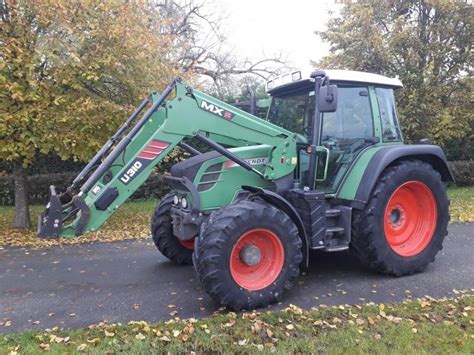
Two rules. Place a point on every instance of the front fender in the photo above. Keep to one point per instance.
(281, 203)
(363, 175)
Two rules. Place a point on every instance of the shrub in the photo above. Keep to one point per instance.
(463, 171)
(154, 187)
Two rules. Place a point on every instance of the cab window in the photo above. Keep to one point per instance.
(353, 118)
(390, 127)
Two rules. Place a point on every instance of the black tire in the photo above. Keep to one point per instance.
(162, 234)
(369, 240)
(213, 249)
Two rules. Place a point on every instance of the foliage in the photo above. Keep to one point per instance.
(428, 44)
(131, 221)
(463, 172)
(425, 325)
(69, 71)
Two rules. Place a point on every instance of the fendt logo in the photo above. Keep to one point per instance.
(251, 161)
(128, 175)
(216, 110)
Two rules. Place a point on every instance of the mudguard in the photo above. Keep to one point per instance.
(281, 203)
(386, 156)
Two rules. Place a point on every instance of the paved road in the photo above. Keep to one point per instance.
(76, 286)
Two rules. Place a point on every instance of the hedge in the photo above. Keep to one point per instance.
(154, 187)
(463, 171)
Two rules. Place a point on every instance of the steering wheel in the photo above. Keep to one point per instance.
(301, 138)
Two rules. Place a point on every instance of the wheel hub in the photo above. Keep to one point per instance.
(250, 255)
(397, 216)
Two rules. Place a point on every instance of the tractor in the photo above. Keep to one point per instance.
(327, 169)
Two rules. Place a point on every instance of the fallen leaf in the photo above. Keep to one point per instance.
(81, 347)
(44, 346)
(140, 336)
(165, 339)
(242, 342)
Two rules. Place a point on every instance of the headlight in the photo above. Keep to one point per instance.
(184, 202)
(175, 199)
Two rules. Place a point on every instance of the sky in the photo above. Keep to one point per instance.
(262, 28)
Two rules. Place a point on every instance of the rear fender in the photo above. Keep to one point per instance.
(389, 155)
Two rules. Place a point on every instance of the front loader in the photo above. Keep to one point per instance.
(327, 169)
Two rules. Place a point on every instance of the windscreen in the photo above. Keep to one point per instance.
(293, 111)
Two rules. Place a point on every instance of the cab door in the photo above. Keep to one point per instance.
(344, 134)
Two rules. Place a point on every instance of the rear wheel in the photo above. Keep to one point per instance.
(403, 225)
(247, 255)
(176, 250)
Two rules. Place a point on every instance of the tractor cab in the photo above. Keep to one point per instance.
(365, 116)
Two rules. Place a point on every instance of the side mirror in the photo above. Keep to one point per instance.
(327, 98)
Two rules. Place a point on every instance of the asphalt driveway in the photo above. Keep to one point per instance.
(79, 285)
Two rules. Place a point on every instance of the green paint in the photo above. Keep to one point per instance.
(375, 113)
(192, 112)
(348, 188)
(183, 117)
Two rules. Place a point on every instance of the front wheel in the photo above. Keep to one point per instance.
(176, 250)
(403, 225)
(248, 255)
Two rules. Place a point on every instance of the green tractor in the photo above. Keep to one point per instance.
(327, 169)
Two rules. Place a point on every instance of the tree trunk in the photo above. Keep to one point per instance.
(22, 212)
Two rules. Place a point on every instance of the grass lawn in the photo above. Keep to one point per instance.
(133, 221)
(413, 327)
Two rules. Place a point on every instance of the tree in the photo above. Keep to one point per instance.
(71, 70)
(68, 71)
(427, 44)
(203, 48)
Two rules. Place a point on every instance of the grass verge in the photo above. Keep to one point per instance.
(132, 221)
(421, 326)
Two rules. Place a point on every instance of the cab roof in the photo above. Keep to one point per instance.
(296, 79)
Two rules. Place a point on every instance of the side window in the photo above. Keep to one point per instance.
(390, 127)
(353, 118)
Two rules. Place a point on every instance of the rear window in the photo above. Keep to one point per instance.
(388, 115)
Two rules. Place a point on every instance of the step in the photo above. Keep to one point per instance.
(333, 212)
(336, 248)
(332, 230)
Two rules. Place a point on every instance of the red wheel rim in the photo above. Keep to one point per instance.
(188, 244)
(269, 266)
(410, 218)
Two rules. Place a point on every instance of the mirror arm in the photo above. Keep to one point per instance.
(317, 75)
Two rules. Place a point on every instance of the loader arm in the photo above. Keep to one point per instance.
(121, 167)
